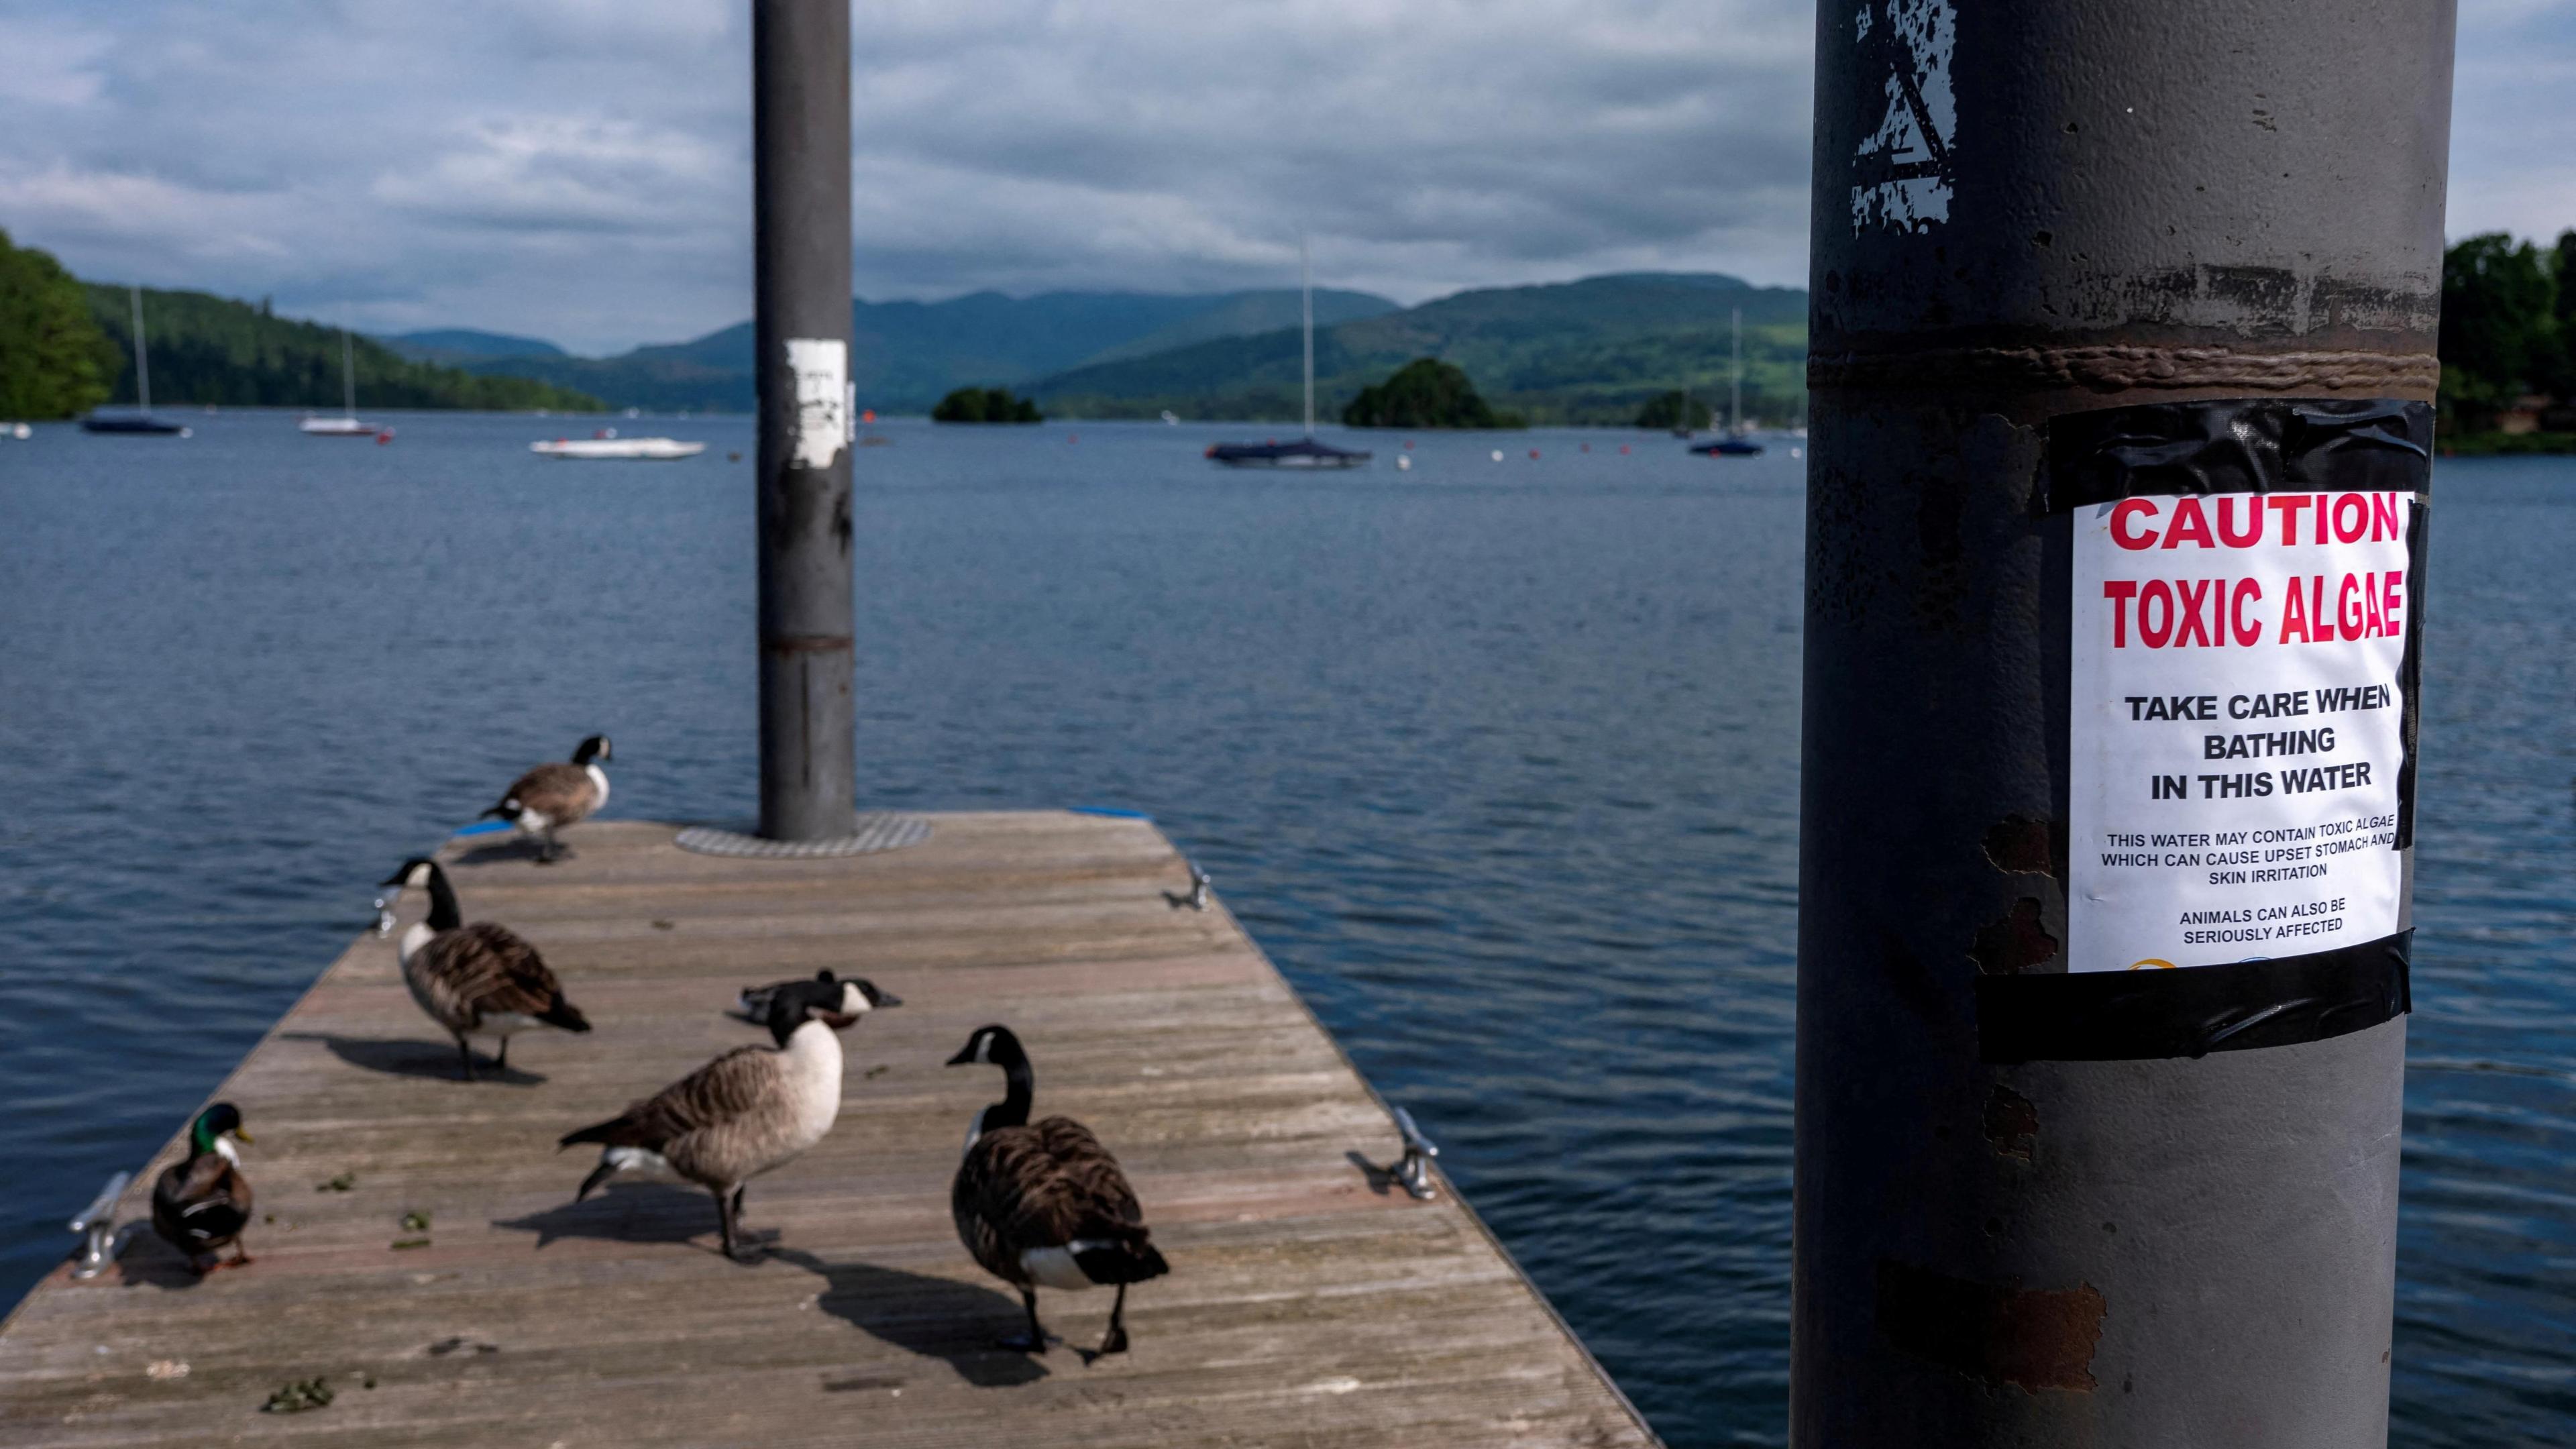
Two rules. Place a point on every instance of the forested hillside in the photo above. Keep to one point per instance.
(209, 349)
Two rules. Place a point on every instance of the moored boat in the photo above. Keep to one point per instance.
(606, 444)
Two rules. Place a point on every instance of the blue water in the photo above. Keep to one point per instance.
(1499, 761)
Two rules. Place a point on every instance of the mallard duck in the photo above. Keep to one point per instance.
(1044, 1204)
(201, 1205)
(477, 980)
(743, 1114)
(550, 797)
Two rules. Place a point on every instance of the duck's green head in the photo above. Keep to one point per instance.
(217, 1122)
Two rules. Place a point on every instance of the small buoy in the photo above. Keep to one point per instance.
(1403, 464)
(1498, 455)
(734, 457)
(1533, 454)
(1408, 445)
(1623, 447)
(1587, 447)
(1797, 452)
(1073, 437)
(867, 415)
(384, 437)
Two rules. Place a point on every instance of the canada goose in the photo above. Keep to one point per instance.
(477, 980)
(857, 994)
(742, 1114)
(203, 1203)
(1044, 1203)
(550, 797)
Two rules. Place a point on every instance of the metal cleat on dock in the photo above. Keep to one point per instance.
(384, 916)
(1414, 1171)
(98, 1221)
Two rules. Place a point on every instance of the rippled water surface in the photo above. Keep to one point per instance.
(1497, 759)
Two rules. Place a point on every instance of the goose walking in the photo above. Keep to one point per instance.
(550, 797)
(477, 980)
(744, 1113)
(1044, 1204)
(201, 1205)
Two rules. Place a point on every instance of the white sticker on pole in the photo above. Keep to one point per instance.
(2235, 719)
(822, 370)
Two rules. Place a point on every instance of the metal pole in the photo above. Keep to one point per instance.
(2028, 1211)
(801, 185)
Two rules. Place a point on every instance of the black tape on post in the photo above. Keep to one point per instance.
(2233, 708)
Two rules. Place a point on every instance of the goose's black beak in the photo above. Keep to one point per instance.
(879, 997)
(964, 1057)
(392, 880)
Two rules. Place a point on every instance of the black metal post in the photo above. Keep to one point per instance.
(2044, 1201)
(801, 159)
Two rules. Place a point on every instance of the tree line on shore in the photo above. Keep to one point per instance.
(67, 346)
(2509, 340)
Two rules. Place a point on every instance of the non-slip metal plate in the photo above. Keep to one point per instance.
(878, 830)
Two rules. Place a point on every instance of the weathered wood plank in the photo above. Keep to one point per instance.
(1308, 1304)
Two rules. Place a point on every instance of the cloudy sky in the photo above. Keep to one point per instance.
(579, 169)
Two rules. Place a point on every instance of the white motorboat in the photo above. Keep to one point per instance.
(606, 444)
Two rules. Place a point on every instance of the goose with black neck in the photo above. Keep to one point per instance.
(477, 980)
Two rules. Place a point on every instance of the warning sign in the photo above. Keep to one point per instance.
(2236, 707)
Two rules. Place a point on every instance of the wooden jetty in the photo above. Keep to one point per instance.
(1310, 1303)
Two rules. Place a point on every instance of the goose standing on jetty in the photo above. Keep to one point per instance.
(747, 1111)
(550, 797)
(202, 1204)
(477, 980)
(1044, 1204)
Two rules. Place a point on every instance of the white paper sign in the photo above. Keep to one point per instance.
(2235, 721)
(822, 370)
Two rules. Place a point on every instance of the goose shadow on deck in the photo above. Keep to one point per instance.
(1308, 1304)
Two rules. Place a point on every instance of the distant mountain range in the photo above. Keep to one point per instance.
(451, 345)
(905, 355)
(1576, 352)
(1591, 351)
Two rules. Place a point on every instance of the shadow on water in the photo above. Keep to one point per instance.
(413, 1057)
(940, 1318)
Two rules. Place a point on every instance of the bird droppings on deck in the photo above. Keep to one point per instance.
(1298, 1309)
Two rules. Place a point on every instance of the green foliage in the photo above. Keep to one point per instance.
(209, 349)
(985, 405)
(1665, 410)
(2504, 327)
(1424, 393)
(54, 361)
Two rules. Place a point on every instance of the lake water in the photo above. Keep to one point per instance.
(1498, 760)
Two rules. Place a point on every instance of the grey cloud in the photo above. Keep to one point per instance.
(579, 169)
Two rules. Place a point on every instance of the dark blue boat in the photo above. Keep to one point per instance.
(140, 422)
(1731, 446)
(135, 423)
(1303, 453)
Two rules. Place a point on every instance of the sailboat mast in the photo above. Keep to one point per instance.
(1735, 378)
(348, 373)
(1306, 313)
(142, 355)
